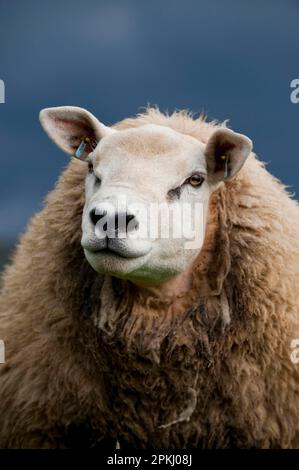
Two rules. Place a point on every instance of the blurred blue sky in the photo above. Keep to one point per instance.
(230, 58)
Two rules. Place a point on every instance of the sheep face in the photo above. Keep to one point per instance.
(147, 191)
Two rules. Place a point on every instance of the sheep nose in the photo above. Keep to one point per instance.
(115, 222)
(96, 216)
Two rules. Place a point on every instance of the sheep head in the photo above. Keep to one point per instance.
(147, 191)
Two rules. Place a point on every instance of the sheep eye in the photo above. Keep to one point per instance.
(90, 171)
(195, 180)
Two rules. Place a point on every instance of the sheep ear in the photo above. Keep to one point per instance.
(75, 130)
(226, 153)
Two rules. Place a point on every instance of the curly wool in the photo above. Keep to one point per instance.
(91, 358)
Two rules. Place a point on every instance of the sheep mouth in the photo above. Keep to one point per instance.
(113, 252)
(115, 248)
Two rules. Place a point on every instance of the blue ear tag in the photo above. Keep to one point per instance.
(81, 148)
(224, 157)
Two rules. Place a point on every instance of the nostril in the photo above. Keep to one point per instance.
(93, 216)
(96, 216)
(122, 221)
(129, 218)
(132, 226)
(118, 222)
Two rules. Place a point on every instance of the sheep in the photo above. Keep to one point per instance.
(142, 341)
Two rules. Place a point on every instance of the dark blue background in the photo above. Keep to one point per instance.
(230, 58)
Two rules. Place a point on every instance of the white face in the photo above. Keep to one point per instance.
(147, 169)
(149, 186)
